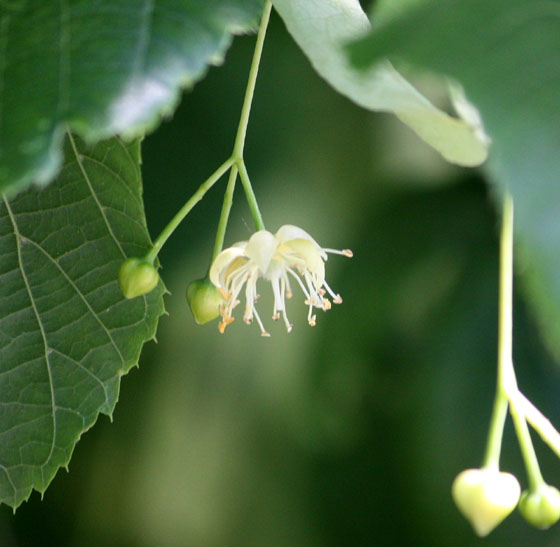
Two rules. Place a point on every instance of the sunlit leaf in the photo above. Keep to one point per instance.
(104, 66)
(321, 29)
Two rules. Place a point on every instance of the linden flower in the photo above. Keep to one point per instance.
(290, 254)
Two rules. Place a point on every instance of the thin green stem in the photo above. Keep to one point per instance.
(541, 424)
(505, 323)
(507, 383)
(505, 328)
(239, 145)
(508, 379)
(235, 162)
(251, 199)
(224, 215)
(526, 446)
(185, 210)
(496, 432)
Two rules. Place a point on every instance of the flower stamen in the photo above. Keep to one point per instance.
(344, 252)
(263, 331)
(337, 299)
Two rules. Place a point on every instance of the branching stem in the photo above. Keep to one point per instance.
(239, 145)
(186, 209)
(224, 215)
(505, 323)
(236, 163)
(507, 392)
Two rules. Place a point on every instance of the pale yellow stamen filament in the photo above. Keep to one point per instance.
(289, 326)
(344, 252)
(294, 274)
(337, 299)
(257, 317)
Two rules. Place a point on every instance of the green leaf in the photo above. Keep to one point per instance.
(505, 53)
(103, 66)
(67, 334)
(321, 28)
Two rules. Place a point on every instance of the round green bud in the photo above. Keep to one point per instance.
(541, 507)
(204, 300)
(485, 497)
(137, 277)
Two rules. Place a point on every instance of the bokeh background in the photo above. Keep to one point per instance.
(349, 433)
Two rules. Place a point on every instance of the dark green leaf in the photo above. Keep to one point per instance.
(505, 53)
(67, 334)
(103, 66)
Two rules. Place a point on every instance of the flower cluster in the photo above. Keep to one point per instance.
(290, 254)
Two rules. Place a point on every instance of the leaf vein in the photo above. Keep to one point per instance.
(117, 175)
(86, 370)
(5, 469)
(83, 298)
(42, 329)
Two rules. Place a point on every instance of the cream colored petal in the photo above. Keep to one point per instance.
(275, 269)
(222, 262)
(289, 232)
(310, 253)
(261, 248)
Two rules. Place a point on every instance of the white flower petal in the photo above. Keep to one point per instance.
(275, 270)
(289, 232)
(222, 262)
(312, 255)
(261, 248)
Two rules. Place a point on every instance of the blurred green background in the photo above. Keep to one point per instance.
(349, 433)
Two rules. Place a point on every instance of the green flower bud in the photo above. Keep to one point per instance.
(485, 497)
(137, 277)
(541, 507)
(204, 300)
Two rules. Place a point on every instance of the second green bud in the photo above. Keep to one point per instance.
(204, 300)
(541, 508)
